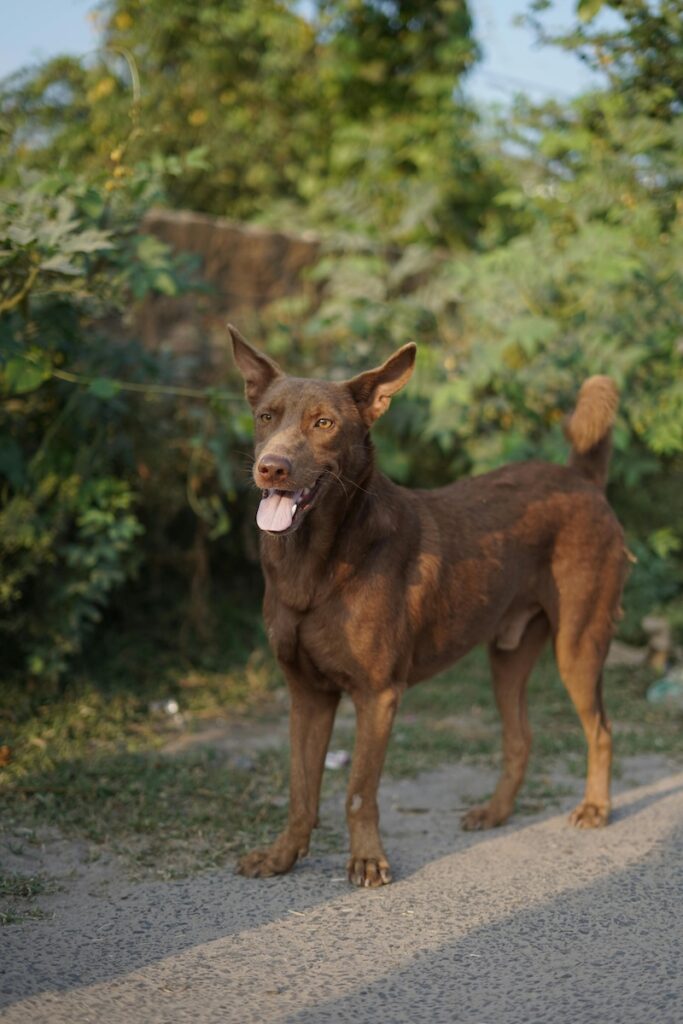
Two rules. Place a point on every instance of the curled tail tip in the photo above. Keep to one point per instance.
(595, 413)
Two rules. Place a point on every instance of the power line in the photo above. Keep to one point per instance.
(504, 81)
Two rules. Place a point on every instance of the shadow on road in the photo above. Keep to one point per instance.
(566, 946)
(608, 952)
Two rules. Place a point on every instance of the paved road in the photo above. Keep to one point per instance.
(534, 922)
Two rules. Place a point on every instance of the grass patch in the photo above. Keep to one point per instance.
(167, 815)
(90, 761)
(17, 893)
(92, 719)
(453, 718)
(430, 712)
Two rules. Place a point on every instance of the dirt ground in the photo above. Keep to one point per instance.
(532, 922)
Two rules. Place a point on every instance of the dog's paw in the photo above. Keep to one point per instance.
(589, 815)
(265, 863)
(481, 817)
(370, 872)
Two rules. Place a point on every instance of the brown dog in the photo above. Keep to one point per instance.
(371, 587)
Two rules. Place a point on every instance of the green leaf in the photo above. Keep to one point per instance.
(88, 241)
(104, 387)
(59, 264)
(23, 374)
(20, 235)
(512, 197)
(151, 251)
(164, 283)
(587, 9)
(664, 542)
(196, 159)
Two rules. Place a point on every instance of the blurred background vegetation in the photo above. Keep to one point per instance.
(522, 252)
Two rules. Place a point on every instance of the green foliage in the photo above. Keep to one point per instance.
(401, 162)
(349, 118)
(83, 458)
(65, 546)
(639, 49)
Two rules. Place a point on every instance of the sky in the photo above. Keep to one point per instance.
(512, 59)
(33, 30)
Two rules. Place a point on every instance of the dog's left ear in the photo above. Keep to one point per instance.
(373, 390)
(258, 370)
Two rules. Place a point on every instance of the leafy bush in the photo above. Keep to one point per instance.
(346, 116)
(88, 462)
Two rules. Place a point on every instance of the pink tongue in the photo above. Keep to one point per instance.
(275, 512)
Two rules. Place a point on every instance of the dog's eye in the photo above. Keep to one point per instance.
(265, 417)
(324, 423)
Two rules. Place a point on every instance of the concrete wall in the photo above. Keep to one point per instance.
(244, 267)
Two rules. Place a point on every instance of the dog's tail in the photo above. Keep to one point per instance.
(589, 428)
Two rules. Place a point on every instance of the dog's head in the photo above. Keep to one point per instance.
(311, 435)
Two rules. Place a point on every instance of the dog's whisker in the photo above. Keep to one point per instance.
(339, 480)
(358, 486)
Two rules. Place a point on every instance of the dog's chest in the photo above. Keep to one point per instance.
(337, 644)
(309, 644)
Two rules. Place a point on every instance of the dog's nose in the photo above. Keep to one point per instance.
(274, 469)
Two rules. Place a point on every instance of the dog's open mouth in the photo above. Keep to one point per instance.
(280, 510)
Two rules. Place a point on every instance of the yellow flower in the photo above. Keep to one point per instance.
(123, 21)
(197, 117)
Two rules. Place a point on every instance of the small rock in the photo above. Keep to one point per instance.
(336, 759)
(166, 707)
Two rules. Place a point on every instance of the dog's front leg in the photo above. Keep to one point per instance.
(368, 864)
(311, 719)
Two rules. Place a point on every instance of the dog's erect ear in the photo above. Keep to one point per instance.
(258, 370)
(373, 390)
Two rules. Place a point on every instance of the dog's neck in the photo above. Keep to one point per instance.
(305, 564)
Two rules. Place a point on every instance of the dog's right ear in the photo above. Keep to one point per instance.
(258, 370)
(373, 390)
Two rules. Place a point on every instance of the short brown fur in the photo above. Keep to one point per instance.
(375, 587)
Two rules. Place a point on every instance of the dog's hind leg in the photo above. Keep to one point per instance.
(511, 670)
(588, 583)
(311, 719)
(580, 666)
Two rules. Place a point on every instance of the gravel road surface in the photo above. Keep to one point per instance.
(533, 922)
